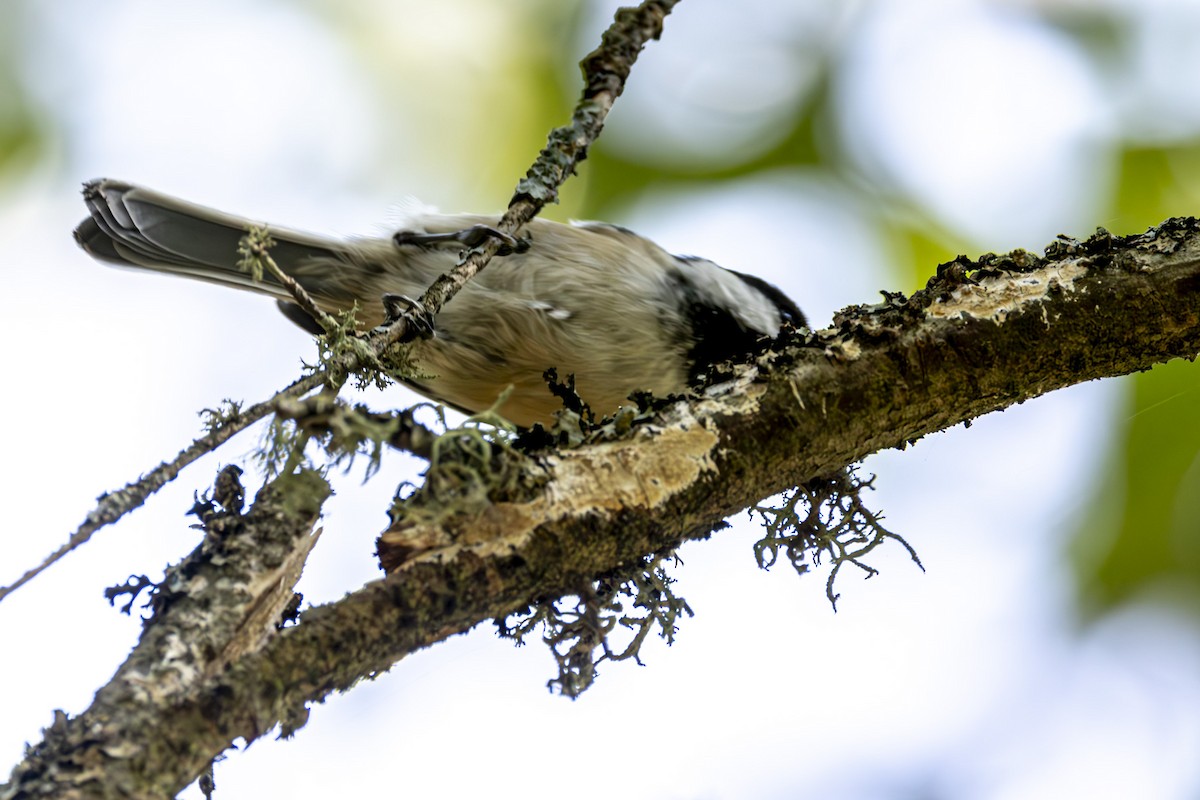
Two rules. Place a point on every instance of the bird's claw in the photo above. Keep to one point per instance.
(468, 237)
(397, 306)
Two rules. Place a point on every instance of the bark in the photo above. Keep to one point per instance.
(982, 336)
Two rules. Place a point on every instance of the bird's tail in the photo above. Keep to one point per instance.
(132, 226)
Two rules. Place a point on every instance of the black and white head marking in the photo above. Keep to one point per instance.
(729, 313)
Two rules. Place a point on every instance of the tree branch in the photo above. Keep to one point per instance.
(605, 71)
(982, 336)
(143, 737)
(111, 506)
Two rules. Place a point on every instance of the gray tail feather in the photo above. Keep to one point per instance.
(136, 227)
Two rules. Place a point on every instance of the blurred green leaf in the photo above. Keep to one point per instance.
(1142, 531)
(21, 128)
(1098, 30)
(917, 245)
(1154, 183)
(614, 181)
(20, 141)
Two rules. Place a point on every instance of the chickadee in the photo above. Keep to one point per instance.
(595, 300)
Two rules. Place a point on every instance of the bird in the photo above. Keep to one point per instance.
(588, 299)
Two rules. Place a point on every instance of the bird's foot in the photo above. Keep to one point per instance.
(396, 306)
(467, 237)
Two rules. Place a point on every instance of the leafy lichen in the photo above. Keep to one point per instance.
(824, 518)
(579, 628)
(214, 418)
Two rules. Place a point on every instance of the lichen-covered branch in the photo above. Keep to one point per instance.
(111, 506)
(220, 603)
(348, 430)
(982, 336)
(605, 71)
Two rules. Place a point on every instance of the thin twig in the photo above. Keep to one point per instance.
(323, 415)
(255, 251)
(605, 71)
(116, 504)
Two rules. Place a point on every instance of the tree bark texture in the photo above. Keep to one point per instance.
(981, 336)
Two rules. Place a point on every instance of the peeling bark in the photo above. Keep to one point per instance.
(982, 336)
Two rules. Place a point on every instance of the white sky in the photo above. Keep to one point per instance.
(965, 681)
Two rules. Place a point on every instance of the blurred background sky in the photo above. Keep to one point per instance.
(836, 148)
